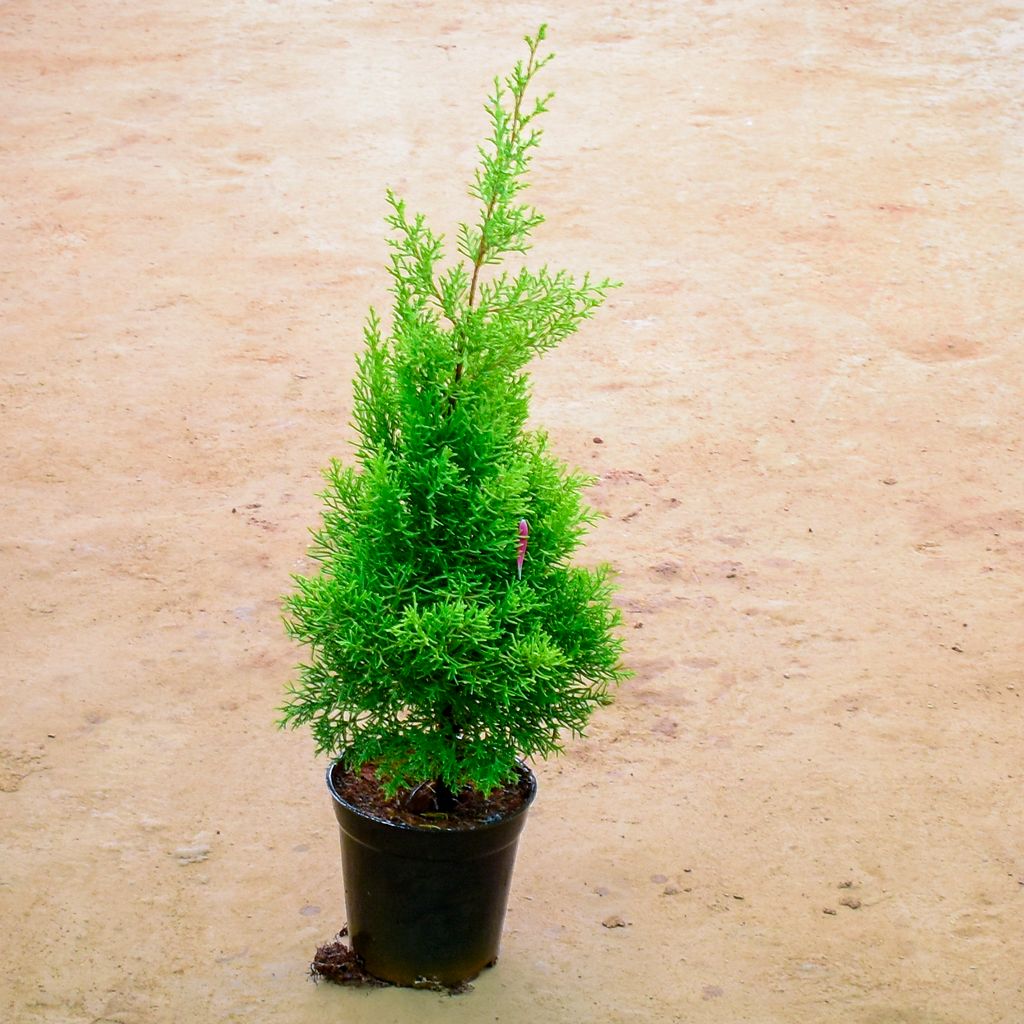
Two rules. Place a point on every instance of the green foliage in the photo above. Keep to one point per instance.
(428, 654)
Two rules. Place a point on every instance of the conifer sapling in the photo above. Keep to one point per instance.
(448, 632)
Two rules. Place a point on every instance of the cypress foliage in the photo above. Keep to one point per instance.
(431, 654)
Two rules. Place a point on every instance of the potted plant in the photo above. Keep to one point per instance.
(448, 635)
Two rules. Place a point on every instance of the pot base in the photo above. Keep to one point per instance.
(339, 964)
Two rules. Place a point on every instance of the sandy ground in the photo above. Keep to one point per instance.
(809, 397)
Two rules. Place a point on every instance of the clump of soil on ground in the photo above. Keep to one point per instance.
(339, 963)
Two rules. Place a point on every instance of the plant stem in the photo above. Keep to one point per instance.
(513, 139)
(444, 798)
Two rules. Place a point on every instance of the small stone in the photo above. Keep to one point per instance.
(615, 921)
(196, 851)
(845, 885)
(850, 901)
(192, 854)
(829, 910)
(598, 440)
(889, 481)
(673, 890)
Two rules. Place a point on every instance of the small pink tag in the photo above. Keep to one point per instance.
(524, 539)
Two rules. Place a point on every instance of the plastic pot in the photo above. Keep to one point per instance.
(426, 905)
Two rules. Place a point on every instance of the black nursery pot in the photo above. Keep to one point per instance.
(426, 905)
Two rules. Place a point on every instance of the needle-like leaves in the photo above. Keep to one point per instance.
(428, 655)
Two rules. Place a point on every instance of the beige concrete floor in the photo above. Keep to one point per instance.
(809, 396)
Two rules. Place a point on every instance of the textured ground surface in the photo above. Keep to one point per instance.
(809, 397)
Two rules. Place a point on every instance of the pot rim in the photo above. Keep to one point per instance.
(403, 826)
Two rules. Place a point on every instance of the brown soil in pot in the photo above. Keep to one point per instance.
(424, 806)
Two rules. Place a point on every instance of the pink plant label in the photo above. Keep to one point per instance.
(524, 539)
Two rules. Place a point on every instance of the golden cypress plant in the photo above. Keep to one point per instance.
(437, 652)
